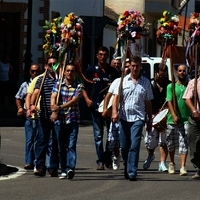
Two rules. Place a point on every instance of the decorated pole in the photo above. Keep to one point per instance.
(63, 39)
(167, 37)
(192, 50)
(131, 25)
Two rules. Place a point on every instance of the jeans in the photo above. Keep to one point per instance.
(67, 135)
(44, 143)
(98, 123)
(194, 141)
(130, 139)
(30, 133)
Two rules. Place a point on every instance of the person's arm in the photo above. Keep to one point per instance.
(148, 109)
(115, 105)
(172, 111)
(87, 99)
(20, 110)
(105, 105)
(33, 107)
(195, 114)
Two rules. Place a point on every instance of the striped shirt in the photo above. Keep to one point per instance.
(67, 92)
(133, 97)
(45, 109)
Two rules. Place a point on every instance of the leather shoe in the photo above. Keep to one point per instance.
(132, 178)
(39, 172)
(28, 166)
(53, 173)
(100, 167)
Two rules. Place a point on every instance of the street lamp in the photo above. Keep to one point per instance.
(28, 55)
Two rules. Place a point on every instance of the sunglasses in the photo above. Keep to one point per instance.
(35, 71)
(51, 64)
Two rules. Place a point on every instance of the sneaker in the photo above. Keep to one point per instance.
(100, 167)
(116, 162)
(63, 176)
(162, 167)
(183, 171)
(148, 161)
(70, 174)
(35, 169)
(171, 168)
(196, 176)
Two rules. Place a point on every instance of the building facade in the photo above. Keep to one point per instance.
(22, 35)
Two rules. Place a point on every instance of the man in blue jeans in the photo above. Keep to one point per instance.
(133, 101)
(101, 76)
(46, 130)
(66, 117)
(30, 123)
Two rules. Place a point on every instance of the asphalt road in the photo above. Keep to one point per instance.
(89, 183)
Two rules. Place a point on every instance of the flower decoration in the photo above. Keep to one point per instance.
(130, 25)
(168, 30)
(52, 36)
(71, 30)
(194, 24)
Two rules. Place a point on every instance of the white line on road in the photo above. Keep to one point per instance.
(20, 172)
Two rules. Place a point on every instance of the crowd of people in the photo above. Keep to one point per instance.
(130, 103)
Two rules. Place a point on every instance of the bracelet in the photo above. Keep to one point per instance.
(19, 107)
(194, 111)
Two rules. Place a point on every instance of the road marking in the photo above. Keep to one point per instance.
(20, 172)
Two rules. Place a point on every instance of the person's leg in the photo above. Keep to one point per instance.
(133, 154)
(29, 144)
(124, 129)
(171, 141)
(98, 127)
(71, 148)
(183, 147)
(151, 142)
(42, 139)
(113, 138)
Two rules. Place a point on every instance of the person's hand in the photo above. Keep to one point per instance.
(175, 119)
(196, 115)
(54, 116)
(28, 113)
(54, 108)
(89, 102)
(33, 109)
(20, 112)
(115, 117)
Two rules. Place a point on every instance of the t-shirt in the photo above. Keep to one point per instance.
(97, 90)
(182, 109)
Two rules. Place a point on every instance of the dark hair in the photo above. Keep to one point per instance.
(35, 64)
(157, 68)
(136, 59)
(51, 57)
(72, 64)
(103, 48)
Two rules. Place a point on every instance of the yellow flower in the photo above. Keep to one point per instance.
(53, 31)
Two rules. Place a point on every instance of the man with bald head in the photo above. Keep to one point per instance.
(177, 121)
